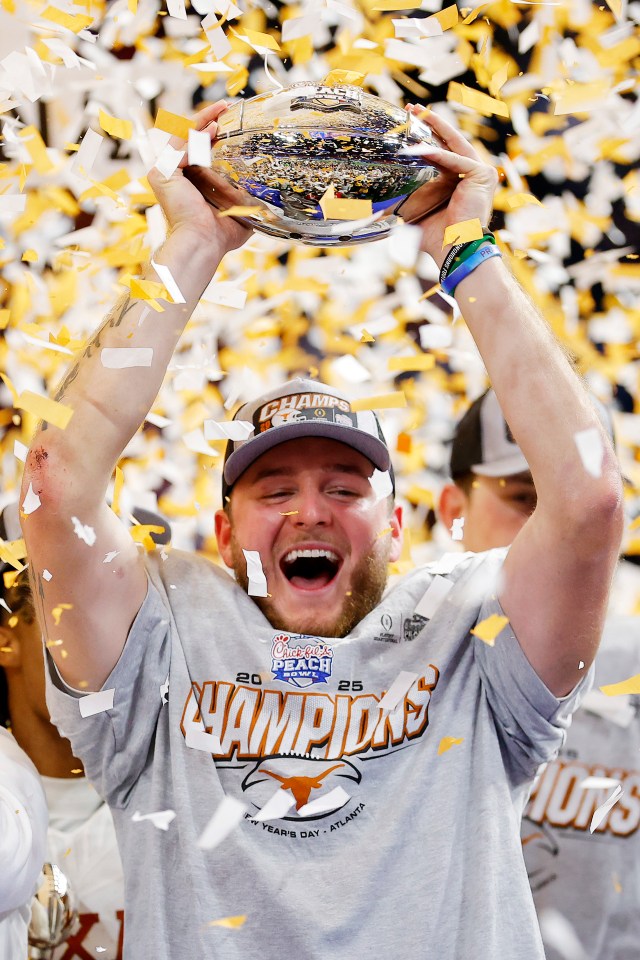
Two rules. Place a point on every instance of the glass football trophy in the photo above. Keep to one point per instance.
(283, 154)
(53, 913)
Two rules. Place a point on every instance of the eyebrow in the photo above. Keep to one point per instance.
(351, 469)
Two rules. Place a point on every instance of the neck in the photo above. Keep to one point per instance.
(50, 753)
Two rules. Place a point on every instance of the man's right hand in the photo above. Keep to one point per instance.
(184, 206)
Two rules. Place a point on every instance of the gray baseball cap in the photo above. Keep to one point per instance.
(483, 443)
(303, 408)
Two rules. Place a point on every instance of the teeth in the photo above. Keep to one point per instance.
(298, 554)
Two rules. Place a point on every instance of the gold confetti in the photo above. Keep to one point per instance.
(487, 630)
(341, 208)
(421, 361)
(381, 402)
(347, 77)
(12, 552)
(447, 742)
(231, 923)
(57, 612)
(521, 200)
(256, 39)
(118, 483)
(630, 686)
(141, 533)
(72, 22)
(173, 123)
(447, 18)
(45, 409)
(36, 148)
(463, 232)
(394, 5)
(239, 210)
(121, 129)
(482, 102)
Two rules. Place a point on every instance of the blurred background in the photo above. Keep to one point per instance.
(90, 93)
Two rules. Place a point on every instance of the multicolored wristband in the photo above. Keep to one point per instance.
(485, 252)
(462, 251)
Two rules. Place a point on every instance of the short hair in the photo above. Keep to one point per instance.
(465, 481)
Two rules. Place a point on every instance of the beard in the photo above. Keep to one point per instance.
(368, 580)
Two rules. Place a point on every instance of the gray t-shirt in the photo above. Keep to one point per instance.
(419, 853)
(591, 881)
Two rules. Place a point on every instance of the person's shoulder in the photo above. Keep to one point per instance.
(453, 566)
(184, 569)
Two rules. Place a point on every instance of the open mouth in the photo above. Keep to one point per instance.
(310, 569)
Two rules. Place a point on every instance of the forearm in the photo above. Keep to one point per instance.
(109, 404)
(543, 399)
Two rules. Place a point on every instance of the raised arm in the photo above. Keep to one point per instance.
(70, 469)
(558, 572)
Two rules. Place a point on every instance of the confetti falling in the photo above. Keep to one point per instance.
(447, 742)
(489, 629)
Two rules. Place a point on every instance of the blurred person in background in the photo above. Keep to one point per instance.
(81, 838)
(586, 886)
(23, 837)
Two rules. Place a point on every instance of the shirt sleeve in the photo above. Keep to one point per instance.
(23, 826)
(114, 744)
(532, 722)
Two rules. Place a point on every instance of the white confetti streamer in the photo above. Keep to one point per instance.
(161, 819)
(591, 450)
(167, 278)
(255, 573)
(433, 597)
(20, 451)
(199, 148)
(599, 783)
(31, 501)
(604, 808)
(198, 739)
(96, 702)
(236, 430)
(226, 818)
(121, 358)
(167, 160)
(457, 528)
(397, 691)
(329, 801)
(381, 484)
(84, 532)
(275, 807)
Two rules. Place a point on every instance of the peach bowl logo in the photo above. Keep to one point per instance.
(300, 660)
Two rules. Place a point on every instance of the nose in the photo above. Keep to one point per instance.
(312, 510)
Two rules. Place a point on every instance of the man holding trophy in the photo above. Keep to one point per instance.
(380, 810)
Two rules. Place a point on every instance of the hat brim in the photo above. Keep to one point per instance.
(507, 467)
(242, 458)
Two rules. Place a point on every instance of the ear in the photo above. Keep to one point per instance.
(10, 653)
(395, 522)
(453, 504)
(223, 536)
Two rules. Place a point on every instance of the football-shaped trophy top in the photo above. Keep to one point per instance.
(296, 159)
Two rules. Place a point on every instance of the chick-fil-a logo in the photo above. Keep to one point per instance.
(299, 662)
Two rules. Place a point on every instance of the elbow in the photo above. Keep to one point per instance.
(46, 475)
(599, 516)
